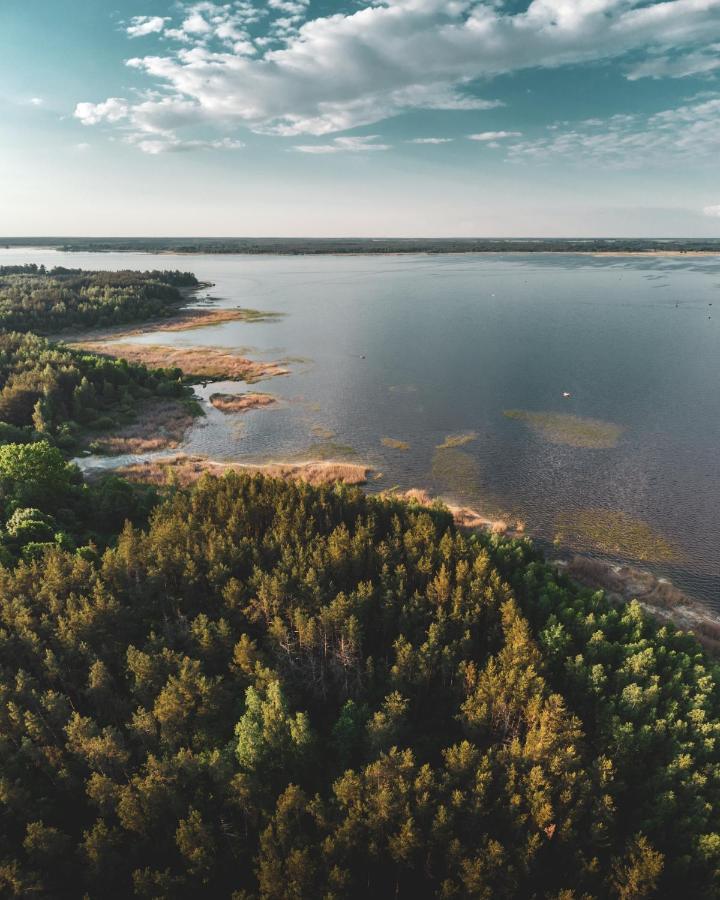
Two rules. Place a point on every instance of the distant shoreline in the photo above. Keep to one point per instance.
(183, 247)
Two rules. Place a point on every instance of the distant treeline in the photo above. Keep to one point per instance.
(309, 246)
(33, 298)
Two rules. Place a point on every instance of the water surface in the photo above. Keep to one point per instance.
(416, 348)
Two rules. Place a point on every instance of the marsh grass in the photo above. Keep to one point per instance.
(233, 403)
(394, 443)
(159, 424)
(572, 431)
(614, 532)
(457, 440)
(195, 362)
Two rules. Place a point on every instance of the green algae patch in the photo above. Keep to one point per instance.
(614, 532)
(394, 443)
(572, 431)
(326, 450)
(456, 472)
(320, 431)
(457, 440)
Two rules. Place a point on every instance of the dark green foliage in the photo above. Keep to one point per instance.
(47, 301)
(286, 692)
(51, 391)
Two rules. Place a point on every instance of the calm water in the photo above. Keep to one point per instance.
(416, 348)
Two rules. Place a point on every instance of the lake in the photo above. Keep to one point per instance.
(610, 368)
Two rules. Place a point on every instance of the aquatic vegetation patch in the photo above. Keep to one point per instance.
(614, 532)
(572, 431)
(456, 472)
(326, 450)
(320, 431)
(457, 440)
(231, 403)
(394, 443)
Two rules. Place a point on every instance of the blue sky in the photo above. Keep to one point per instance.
(398, 117)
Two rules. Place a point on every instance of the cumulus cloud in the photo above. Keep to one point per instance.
(36, 101)
(687, 132)
(713, 211)
(141, 25)
(494, 136)
(344, 145)
(430, 140)
(334, 73)
(111, 110)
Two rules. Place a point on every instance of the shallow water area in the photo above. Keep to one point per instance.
(428, 350)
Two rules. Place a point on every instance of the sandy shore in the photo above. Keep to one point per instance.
(657, 596)
(464, 515)
(187, 469)
(233, 403)
(195, 362)
(185, 319)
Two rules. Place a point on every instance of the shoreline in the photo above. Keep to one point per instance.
(196, 363)
(187, 318)
(436, 250)
(188, 469)
(622, 583)
(163, 427)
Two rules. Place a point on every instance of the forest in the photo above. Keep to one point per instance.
(261, 689)
(49, 301)
(63, 395)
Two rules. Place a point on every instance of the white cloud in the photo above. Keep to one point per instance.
(713, 211)
(338, 72)
(171, 144)
(36, 101)
(687, 132)
(430, 140)
(111, 110)
(141, 25)
(704, 61)
(344, 145)
(494, 136)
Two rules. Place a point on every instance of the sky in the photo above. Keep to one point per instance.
(416, 118)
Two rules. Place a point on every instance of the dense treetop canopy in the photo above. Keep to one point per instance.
(33, 298)
(279, 691)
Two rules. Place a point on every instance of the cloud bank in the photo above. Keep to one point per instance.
(330, 74)
(687, 132)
